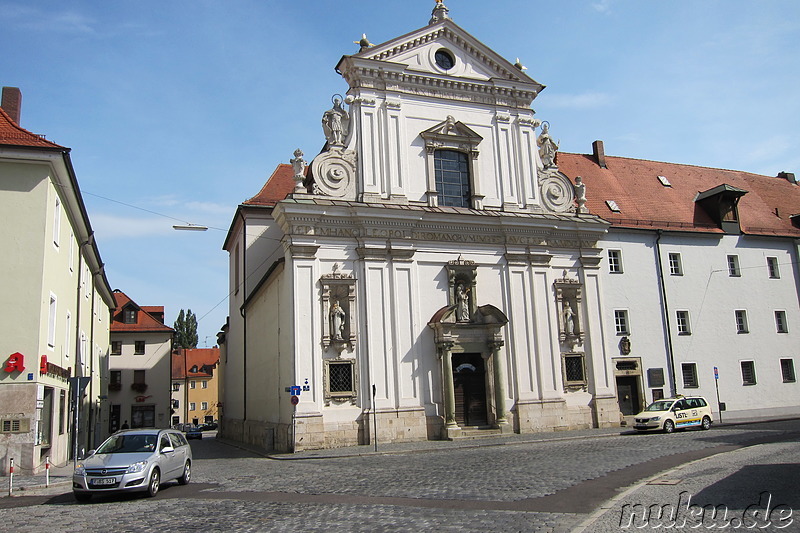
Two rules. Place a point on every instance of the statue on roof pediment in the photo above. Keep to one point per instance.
(336, 123)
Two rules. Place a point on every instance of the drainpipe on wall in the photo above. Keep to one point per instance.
(244, 318)
(665, 307)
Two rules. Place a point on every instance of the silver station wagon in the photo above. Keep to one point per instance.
(133, 460)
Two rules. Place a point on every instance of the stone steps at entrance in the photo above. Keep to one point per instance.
(471, 433)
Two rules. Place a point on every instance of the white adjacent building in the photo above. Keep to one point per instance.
(140, 366)
(700, 278)
(55, 303)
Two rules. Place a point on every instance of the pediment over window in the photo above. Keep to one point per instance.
(451, 134)
(721, 204)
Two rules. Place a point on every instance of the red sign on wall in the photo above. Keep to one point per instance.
(15, 363)
(43, 365)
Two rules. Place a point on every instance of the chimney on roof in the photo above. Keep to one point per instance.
(12, 102)
(788, 176)
(599, 153)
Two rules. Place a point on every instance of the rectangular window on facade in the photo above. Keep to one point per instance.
(67, 335)
(684, 328)
(689, 372)
(192, 406)
(772, 267)
(139, 377)
(787, 370)
(138, 348)
(741, 321)
(204, 406)
(340, 377)
(733, 266)
(129, 316)
(615, 261)
(192, 384)
(204, 384)
(621, 322)
(115, 380)
(176, 387)
(780, 322)
(51, 331)
(675, 266)
(574, 372)
(57, 222)
(748, 373)
(451, 171)
(176, 404)
(116, 347)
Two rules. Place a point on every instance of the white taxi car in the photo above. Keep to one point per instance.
(669, 414)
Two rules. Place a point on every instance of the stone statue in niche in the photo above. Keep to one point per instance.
(462, 303)
(547, 147)
(336, 123)
(337, 321)
(569, 318)
(580, 194)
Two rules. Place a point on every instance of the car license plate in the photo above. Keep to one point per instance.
(104, 481)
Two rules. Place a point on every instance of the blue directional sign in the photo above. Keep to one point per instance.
(295, 390)
(716, 373)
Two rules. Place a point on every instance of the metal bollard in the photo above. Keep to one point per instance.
(11, 477)
(47, 471)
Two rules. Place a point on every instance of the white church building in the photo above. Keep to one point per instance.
(436, 271)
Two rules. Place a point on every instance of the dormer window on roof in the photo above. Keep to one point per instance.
(129, 315)
(721, 204)
(612, 205)
(664, 181)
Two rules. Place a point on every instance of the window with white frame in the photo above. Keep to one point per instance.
(748, 372)
(741, 321)
(204, 406)
(176, 386)
(772, 268)
(615, 261)
(684, 327)
(780, 322)
(733, 266)
(451, 169)
(689, 372)
(67, 335)
(192, 406)
(192, 384)
(787, 370)
(51, 330)
(204, 384)
(57, 222)
(675, 266)
(621, 322)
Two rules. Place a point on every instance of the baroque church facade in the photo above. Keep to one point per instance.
(439, 270)
(429, 274)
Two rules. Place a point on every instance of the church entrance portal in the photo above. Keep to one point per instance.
(469, 382)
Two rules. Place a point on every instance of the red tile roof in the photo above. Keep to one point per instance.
(206, 359)
(144, 320)
(277, 187)
(644, 202)
(13, 135)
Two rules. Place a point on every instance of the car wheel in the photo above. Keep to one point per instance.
(706, 423)
(82, 496)
(669, 426)
(154, 484)
(187, 474)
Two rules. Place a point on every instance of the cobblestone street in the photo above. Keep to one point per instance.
(548, 483)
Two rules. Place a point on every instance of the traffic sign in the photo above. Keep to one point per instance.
(716, 373)
(295, 400)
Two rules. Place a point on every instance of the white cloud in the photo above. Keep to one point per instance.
(577, 101)
(602, 6)
(47, 21)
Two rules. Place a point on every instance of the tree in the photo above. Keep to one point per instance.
(186, 330)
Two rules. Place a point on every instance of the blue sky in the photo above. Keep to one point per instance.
(184, 108)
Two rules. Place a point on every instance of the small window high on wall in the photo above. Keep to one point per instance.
(452, 178)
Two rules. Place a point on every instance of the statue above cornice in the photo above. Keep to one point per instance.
(439, 12)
